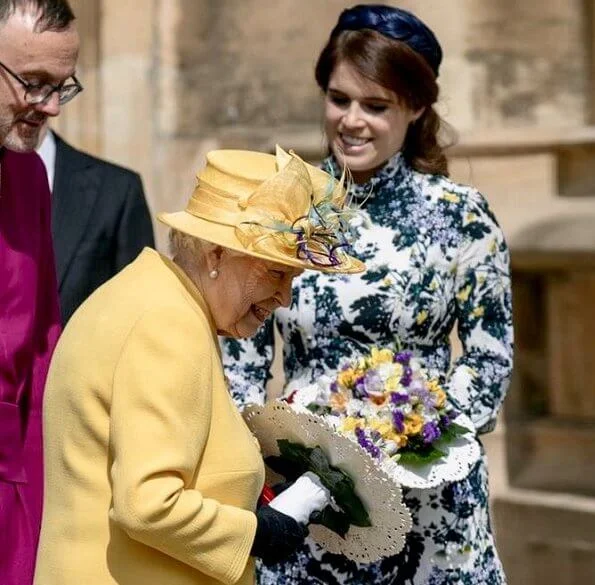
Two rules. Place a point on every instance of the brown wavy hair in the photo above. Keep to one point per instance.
(395, 66)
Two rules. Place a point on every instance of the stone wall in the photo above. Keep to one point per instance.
(165, 79)
(168, 80)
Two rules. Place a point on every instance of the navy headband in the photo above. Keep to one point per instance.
(395, 23)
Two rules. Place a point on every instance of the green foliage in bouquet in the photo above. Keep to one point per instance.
(296, 459)
(421, 453)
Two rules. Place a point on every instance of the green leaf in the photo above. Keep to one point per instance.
(348, 501)
(334, 520)
(318, 408)
(458, 429)
(295, 452)
(452, 432)
(421, 457)
(339, 484)
(289, 470)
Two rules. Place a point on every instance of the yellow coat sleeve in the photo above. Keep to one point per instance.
(160, 418)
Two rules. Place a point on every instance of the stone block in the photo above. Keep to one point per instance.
(570, 317)
(576, 171)
(550, 454)
(517, 78)
(545, 539)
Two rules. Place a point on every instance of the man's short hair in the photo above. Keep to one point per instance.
(52, 15)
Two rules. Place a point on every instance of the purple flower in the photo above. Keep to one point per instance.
(423, 395)
(403, 357)
(447, 418)
(376, 436)
(373, 382)
(398, 398)
(407, 376)
(366, 443)
(398, 421)
(334, 387)
(359, 390)
(430, 432)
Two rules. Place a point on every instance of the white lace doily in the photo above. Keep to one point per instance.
(379, 494)
(461, 454)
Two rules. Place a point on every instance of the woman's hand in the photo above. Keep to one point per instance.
(305, 496)
(277, 535)
(281, 526)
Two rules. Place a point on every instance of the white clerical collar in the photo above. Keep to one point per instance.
(47, 151)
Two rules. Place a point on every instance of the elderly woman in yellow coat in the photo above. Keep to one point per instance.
(152, 476)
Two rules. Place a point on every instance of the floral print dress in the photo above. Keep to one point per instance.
(435, 258)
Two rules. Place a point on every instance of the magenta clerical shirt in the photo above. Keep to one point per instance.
(29, 328)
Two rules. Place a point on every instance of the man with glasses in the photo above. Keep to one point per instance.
(38, 51)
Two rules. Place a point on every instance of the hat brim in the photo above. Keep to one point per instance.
(224, 236)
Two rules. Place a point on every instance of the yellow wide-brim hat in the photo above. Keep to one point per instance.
(274, 207)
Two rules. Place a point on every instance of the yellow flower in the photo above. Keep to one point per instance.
(380, 356)
(346, 378)
(478, 312)
(338, 401)
(413, 424)
(399, 440)
(493, 246)
(421, 317)
(451, 197)
(471, 217)
(388, 281)
(351, 423)
(440, 398)
(433, 285)
(384, 428)
(434, 385)
(463, 295)
(393, 382)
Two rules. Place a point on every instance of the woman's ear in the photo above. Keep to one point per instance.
(213, 256)
(416, 115)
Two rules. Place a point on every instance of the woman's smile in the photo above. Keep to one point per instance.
(351, 142)
(260, 312)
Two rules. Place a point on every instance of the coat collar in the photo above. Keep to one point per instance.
(76, 187)
(190, 288)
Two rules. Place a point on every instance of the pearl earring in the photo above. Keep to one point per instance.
(214, 274)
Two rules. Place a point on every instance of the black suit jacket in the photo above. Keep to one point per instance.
(100, 222)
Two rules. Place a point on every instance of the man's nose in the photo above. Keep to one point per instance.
(50, 107)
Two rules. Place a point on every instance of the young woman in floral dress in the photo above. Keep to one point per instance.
(436, 258)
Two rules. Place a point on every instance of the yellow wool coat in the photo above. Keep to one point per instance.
(152, 476)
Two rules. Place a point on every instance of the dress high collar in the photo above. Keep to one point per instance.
(395, 169)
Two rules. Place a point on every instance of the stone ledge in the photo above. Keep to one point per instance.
(545, 539)
(552, 455)
(487, 142)
(572, 150)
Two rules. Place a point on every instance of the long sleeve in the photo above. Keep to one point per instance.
(480, 378)
(247, 364)
(135, 230)
(159, 427)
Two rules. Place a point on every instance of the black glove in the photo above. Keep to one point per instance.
(277, 535)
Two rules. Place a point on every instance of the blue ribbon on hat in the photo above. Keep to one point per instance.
(395, 23)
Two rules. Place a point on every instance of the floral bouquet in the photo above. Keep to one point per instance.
(388, 404)
(366, 519)
(380, 423)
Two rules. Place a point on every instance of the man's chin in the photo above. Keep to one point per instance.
(22, 142)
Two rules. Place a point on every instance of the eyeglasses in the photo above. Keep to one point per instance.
(40, 94)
